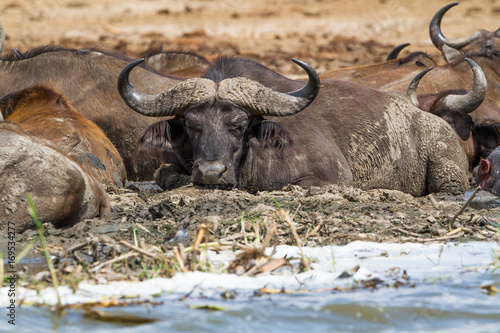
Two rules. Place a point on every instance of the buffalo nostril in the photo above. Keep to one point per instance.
(211, 172)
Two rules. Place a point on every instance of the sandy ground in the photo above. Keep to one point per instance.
(326, 34)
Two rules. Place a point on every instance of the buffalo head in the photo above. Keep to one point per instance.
(463, 110)
(217, 119)
(482, 42)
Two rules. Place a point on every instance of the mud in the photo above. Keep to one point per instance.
(322, 216)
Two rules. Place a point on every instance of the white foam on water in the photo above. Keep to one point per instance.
(422, 262)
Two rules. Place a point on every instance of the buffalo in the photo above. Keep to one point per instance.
(482, 46)
(385, 74)
(42, 112)
(60, 157)
(487, 172)
(474, 120)
(87, 78)
(63, 193)
(176, 63)
(238, 126)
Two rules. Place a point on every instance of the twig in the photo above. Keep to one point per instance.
(437, 239)
(463, 208)
(243, 230)
(456, 231)
(433, 201)
(76, 247)
(180, 260)
(316, 229)
(138, 249)
(112, 261)
(296, 211)
(199, 236)
(257, 234)
(272, 265)
(490, 228)
(296, 236)
(211, 244)
(183, 298)
(143, 228)
(406, 232)
(269, 234)
(235, 237)
(493, 223)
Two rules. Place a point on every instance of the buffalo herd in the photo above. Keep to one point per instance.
(75, 122)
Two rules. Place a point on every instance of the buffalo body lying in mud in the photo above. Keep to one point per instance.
(57, 155)
(63, 193)
(44, 113)
(219, 135)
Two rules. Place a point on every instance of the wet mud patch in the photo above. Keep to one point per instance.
(322, 215)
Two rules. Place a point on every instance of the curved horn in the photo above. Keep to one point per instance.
(411, 92)
(395, 51)
(2, 37)
(470, 101)
(437, 36)
(260, 100)
(174, 101)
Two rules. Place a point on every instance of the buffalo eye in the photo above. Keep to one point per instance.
(237, 131)
(194, 129)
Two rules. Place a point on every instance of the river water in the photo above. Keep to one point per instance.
(443, 290)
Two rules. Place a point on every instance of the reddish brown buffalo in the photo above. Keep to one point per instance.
(474, 120)
(60, 157)
(44, 113)
(476, 124)
(62, 191)
(483, 47)
(383, 74)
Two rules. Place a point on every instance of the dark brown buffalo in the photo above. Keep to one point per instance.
(487, 173)
(176, 63)
(44, 113)
(63, 193)
(237, 127)
(88, 79)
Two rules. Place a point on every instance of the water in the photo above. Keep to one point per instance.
(483, 200)
(443, 295)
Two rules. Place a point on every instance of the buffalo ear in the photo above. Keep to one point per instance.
(166, 134)
(269, 133)
(462, 124)
(451, 54)
(484, 170)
